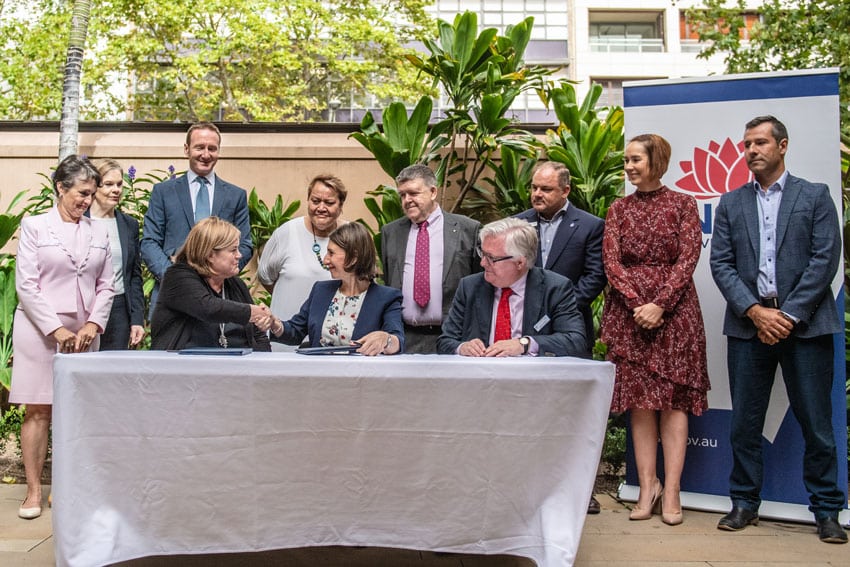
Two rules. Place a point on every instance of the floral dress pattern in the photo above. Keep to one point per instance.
(650, 249)
(338, 326)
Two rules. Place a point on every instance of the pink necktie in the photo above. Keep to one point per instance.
(503, 317)
(422, 267)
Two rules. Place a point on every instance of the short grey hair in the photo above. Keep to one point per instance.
(520, 237)
(417, 171)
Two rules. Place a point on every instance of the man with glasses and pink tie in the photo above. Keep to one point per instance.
(513, 308)
(425, 254)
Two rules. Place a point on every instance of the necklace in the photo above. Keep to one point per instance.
(317, 250)
(222, 340)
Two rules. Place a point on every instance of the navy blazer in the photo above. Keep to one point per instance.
(576, 253)
(808, 251)
(134, 296)
(549, 305)
(381, 311)
(170, 218)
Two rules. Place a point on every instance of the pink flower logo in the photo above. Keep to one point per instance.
(715, 171)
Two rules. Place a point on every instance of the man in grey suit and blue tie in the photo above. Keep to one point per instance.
(513, 308)
(425, 254)
(775, 250)
(177, 204)
(570, 239)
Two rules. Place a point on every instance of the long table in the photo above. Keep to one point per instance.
(156, 453)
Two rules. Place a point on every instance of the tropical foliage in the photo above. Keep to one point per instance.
(476, 148)
(242, 60)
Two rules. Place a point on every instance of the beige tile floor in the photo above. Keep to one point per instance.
(609, 539)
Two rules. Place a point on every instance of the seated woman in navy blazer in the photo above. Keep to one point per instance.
(350, 308)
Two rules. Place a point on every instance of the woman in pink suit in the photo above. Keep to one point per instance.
(64, 282)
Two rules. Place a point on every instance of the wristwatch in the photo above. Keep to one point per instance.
(525, 342)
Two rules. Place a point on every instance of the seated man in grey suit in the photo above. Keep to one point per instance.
(425, 254)
(513, 308)
(177, 204)
(570, 239)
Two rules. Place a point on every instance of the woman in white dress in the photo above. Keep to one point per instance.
(292, 260)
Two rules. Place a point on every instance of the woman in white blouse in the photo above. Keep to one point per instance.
(292, 260)
(127, 318)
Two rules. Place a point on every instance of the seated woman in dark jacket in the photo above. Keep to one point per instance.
(202, 301)
(350, 308)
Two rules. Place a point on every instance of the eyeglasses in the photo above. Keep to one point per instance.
(490, 259)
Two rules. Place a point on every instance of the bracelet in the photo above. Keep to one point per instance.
(389, 342)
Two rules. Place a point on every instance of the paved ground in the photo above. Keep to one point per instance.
(609, 540)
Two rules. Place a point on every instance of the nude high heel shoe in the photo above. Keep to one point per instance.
(670, 518)
(639, 513)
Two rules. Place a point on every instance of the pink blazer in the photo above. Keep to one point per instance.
(49, 276)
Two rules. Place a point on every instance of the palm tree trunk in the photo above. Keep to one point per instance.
(69, 127)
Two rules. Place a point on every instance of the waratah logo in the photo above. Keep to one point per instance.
(715, 171)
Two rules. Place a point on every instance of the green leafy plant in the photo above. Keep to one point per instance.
(10, 427)
(614, 447)
(590, 146)
(388, 210)
(511, 181)
(265, 220)
(481, 75)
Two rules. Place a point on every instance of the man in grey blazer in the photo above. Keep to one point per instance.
(443, 244)
(775, 250)
(536, 308)
(176, 204)
(570, 239)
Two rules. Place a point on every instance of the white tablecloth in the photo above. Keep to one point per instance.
(160, 453)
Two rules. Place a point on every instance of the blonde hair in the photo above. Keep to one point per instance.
(105, 165)
(207, 236)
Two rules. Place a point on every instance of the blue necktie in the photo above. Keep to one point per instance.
(202, 200)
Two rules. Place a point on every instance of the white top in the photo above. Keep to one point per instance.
(111, 225)
(289, 262)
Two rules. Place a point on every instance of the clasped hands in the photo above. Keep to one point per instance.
(70, 342)
(772, 324)
(475, 347)
(648, 316)
(262, 317)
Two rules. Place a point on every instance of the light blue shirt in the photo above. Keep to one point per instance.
(432, 313)
(547, 229)
(768, 205)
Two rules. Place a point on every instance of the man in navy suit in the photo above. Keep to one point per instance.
(570, 239)
(176, 204)
(512, 308)
(774, 253)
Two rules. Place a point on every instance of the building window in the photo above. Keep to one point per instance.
(639, 31)
(689, 31)
(612, 89)
(550, 16)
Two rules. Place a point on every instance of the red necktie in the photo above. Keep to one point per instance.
(422, 267)
(503, 317)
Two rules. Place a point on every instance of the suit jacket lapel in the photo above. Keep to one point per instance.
(218, 196)
(185, 199)
(751, 214)
(450, 242)
(566, 230)
(533, 300)
(399, 236)
(124, 239)
(367, 312)
(790, 194)
(484, 306)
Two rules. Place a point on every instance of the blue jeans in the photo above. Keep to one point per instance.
(807, 370)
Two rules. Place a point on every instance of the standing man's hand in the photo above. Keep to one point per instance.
(772, 325)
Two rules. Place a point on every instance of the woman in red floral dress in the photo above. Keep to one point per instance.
(652, 322)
